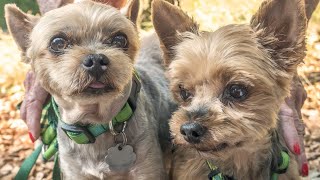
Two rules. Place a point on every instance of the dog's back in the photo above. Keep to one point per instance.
(151, 71)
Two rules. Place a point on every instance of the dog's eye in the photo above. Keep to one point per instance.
(120, 41)
(238, 92)
(58, 44)
(184, 94)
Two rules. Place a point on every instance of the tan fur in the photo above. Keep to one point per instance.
(87, 25)
(261, 56)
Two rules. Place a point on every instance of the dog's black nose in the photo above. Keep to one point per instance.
(192, 132)
(96, 64)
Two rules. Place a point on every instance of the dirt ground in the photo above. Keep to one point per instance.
(15, 144)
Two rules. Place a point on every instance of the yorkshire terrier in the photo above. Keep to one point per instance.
(84, 55)
(229, 85)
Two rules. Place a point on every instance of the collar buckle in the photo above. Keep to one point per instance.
(79, 134)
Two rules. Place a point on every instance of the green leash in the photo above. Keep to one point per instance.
(81, 134)
(283, 165)
(56, 174)
(28, 164)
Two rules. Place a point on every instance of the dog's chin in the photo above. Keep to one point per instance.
(214, 148)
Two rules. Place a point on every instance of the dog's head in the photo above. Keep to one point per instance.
(230, 82)
(82, 52)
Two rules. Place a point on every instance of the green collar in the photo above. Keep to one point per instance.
(283, 165)
(85, 134)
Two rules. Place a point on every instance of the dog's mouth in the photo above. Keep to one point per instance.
(97, 85)
(219, 147)
(98, 88)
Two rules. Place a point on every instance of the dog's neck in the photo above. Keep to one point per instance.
(92, 111)
(254, 160)
(94, 154)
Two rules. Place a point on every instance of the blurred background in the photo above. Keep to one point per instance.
(15, 144)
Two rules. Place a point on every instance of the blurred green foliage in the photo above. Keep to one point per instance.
(30, 6)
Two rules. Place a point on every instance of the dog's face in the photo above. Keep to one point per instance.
(230, 82)
(80, 52)
(83, 49)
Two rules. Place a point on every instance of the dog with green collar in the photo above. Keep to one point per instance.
(110, 102)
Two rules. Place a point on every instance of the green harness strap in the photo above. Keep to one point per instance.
(214, 174)
(283, 165)
(81, 134)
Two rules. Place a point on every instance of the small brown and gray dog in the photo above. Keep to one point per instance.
(84, 55)
(230, 84)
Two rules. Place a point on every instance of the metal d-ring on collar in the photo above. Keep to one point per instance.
(115, 134)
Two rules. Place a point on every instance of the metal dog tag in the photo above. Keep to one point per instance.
(120, 157)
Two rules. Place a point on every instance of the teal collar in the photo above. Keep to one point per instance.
(283, 165)
(86, 134)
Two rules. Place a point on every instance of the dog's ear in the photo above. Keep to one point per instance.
(20, 25)
(169, 21)
(311, 5)
(133, 10)
(280, 26)
(47, 5)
